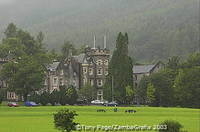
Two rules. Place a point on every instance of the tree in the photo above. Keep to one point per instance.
(163, 82)
(72, 95)
(173, 63)
(54, 97)
(141, 90)
(63, 120)
(150, 94)
(11, 31)
(129, 94)
(67, 49)
(2, 95)
(62, 95)
(24, 76)
(87, 92)
(24, 72)
(44, 98)
(187, 87)
(120, 68)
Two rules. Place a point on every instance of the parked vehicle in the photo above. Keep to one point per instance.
(13, 104)
(30, 103)
(99, 102)
(113, 103)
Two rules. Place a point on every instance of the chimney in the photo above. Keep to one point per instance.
(104, 41)
(94, 42)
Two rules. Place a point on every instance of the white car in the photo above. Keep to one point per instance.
(98, 102)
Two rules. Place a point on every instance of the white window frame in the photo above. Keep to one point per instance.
(90, 71)
(99, 71)
(105, 62)
(84, 70)
(99, 82)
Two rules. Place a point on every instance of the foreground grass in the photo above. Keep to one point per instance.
(40, 119)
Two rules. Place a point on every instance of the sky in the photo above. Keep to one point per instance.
(6, 2)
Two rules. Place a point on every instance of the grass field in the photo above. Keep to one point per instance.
(40, 119)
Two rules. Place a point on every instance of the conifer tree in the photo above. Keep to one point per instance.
(120, 69)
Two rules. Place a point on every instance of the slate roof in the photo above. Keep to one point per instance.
(53, 66)
(80, 58)
(142, 68)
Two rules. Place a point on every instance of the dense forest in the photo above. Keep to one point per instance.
(157, 29)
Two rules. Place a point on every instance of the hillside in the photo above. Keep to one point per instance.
(157, 28)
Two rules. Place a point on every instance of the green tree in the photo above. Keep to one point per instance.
(24, 76)
(64, 120)
(2, 95)
(87, 92)
(141, 90)
(67, 49)
(120, 68)
(150, 94)
(54, 97)
(187, 87)
(62, 95)
(129, 94)
(11, 31)
(173, 63)
(44, 98)
(72, 95)
(25, 71)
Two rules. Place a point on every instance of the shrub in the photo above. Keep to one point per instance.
(44, 98)
(172, 126)
(2, 95)
(63, 120)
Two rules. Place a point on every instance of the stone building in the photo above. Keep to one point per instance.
(95, 69)
(90, 67)
(3, 85)
(139, 71)
(62, 73)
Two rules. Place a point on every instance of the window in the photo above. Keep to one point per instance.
(106, 71)
(61, 82)
(55, 80)
(91, 82)
(99, 82)
(99, 92)
(135, 77)
(99, 71)
(84, 81)
(106, 62)
(99, 62)
(90, 71)
(84, 70)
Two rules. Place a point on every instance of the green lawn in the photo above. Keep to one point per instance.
(40, 119)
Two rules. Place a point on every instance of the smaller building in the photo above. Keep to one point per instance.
(139, 71)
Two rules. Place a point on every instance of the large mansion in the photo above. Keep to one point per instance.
(90, 67)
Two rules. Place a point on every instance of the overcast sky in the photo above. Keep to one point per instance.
(6, 2)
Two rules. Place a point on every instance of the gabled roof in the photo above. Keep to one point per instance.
(53, 66)
(142, 68)
(80, 58)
